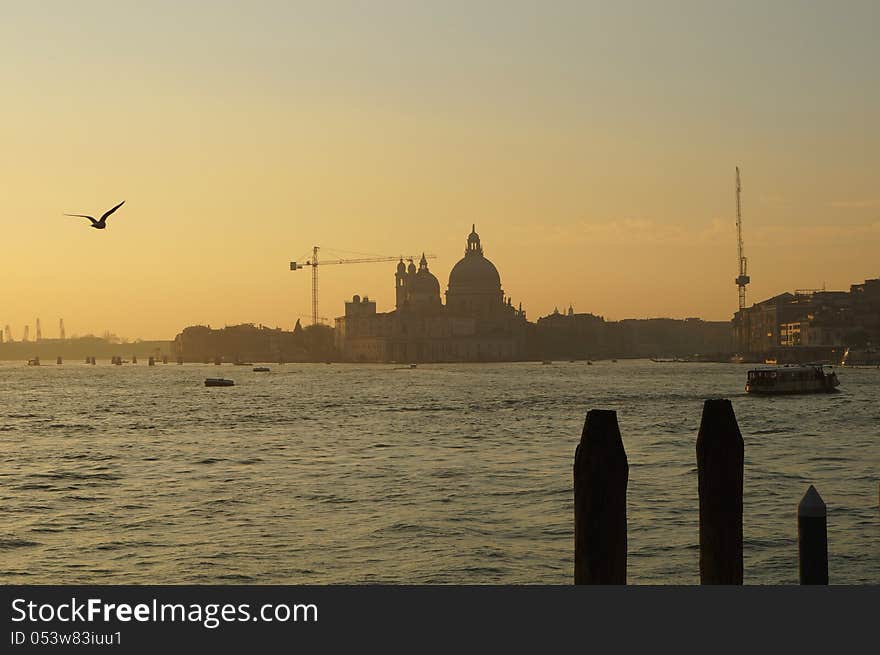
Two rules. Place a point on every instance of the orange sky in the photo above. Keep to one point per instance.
(593, 146)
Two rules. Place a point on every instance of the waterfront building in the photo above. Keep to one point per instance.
(811, 319)
(476, 324)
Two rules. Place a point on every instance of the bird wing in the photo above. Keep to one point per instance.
(110, 211)
(91, 218)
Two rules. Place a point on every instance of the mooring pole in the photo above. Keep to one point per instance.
(601, 473)
(720, 454)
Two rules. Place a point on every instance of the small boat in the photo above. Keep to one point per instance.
(34, 362)
(771, 361)
(792, 379)
(413, 366)
(547, 361)
(218, 382)
(589, 363)
(261, 369)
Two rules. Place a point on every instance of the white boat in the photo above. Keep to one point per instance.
(218, 382)
(792, 379)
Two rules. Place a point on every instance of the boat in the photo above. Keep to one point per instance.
(413, 366)
(771, 360)
(792, 379)
(34, 362)
(547, 361)
(218, 382)
(261, 369)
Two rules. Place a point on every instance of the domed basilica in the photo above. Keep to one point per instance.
(477, 323)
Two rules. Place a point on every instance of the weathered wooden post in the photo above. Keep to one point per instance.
(720, 453)
(601, 473)
(812, 539)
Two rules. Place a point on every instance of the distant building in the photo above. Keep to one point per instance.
(250, 343)
(476, 324)
(827, 320)
(587, 336)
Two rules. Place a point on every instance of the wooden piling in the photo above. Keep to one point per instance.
(720, 453)
(601, 473)
(812, 539)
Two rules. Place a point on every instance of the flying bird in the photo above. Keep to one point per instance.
(99, 225)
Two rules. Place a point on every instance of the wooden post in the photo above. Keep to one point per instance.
(720, 455)
(812, 539)
(601, 473)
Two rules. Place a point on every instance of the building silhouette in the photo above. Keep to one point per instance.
(477, 322)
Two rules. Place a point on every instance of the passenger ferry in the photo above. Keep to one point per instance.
(792, 379)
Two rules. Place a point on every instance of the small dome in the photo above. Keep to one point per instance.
(424, 282)
(411, 268)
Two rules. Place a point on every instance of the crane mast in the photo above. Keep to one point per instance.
(313, 262)
(743, 279)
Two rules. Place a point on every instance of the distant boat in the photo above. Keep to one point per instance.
(34, 362)
(791, 379)
(413, 366)
(547, 361)
(613, 361)
(218, 382)
(771, 361)
(589, 363)
(261, 369)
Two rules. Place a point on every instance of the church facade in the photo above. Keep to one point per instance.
(476, 324)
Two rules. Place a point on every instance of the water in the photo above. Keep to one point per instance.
(373, 473)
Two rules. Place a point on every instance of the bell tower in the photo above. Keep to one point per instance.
(400, 283)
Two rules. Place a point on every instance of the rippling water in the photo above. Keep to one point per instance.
(443, 474)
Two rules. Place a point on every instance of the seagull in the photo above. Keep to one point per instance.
(99, 225)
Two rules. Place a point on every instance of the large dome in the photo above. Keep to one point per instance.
(474, 272)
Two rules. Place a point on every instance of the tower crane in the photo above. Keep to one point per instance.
(314, 263)
(743, 279)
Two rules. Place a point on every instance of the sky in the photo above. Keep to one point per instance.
(593, 144)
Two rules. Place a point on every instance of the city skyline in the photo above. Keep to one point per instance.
(394, 128)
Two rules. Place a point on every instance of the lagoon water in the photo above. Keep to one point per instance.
(317, 473)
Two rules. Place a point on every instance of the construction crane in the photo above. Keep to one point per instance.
(743, 279)
(314, 263)
(61, 329)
